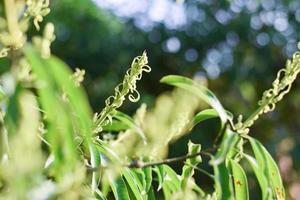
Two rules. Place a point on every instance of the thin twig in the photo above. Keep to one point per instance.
(141, 164)
(200, 170)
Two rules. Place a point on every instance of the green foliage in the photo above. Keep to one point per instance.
(188, 168)
(200, 91)
(267, 168)
(239, 180)
(49, 134)
(204, 115)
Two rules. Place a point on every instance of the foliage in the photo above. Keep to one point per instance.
(52, 146)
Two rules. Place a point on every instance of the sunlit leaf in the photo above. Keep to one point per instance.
(54, 71)
(171, 182)
(167, 192)
(133, 183)
(96, 163)
(148, 178)
(119, 189)
(151, 195)
(139, 178)
(204, 115)
(100, 195)
(229, 140)
(188, 168)
(60, 131)
(269, 168)
(127, 120)
(160, 175)
(240, 181)
(55, 75)
(198, 90)
(262, 180)
(115, 125)
(223, 182)
(198, 190)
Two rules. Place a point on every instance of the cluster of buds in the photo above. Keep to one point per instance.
(37, 9)
(281, 86)
(44, 43)
(127, 87)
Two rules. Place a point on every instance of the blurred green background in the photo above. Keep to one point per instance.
(236, 46)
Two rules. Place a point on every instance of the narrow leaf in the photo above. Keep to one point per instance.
(223, 183)
(148, 178)
(204, 115)
(151, 194)
(188, 168)
(269, 168)
(262, 180)
(133, 183)
(119, 189)
(198, 90)
(115, 125)
(172, 180)
(139, 176)
(160, 175)
(60, 130)
(127, 120)
(240, 181)
(167, 192)
(229, 140)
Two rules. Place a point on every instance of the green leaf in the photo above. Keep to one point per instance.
(133, 183)
(76, 96)
(262, 180)
(148, 178)
(55, 72)
(204, 115)
(223, 183)
(151, 195)
(229, 141)
(240, 181)
(188, 168)
(119, 189)
(96, 163)
(160, 175)
(198, 90)
(115, 125)
(60, 130)
(198, 190)
(100, 195)
(127, 120)
(172, 181)
(140, 178)
(75, 113)
(269, 168)
(167, 192)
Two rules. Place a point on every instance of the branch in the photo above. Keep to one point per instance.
(201, 170)
(140, 164)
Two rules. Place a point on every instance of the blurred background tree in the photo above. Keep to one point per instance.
(235, 46)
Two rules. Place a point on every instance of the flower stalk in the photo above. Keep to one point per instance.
(127, 87)
(281, 86)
